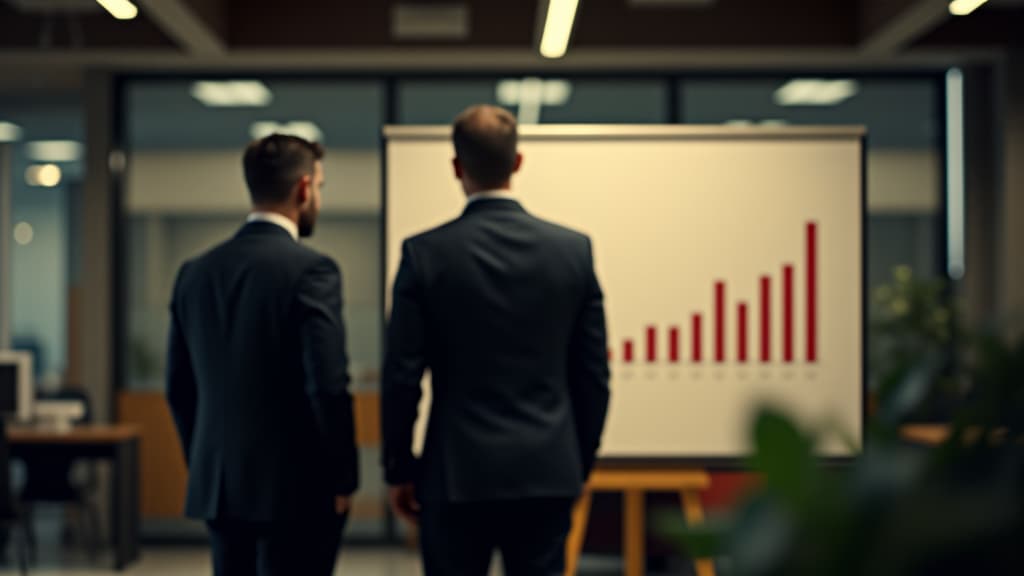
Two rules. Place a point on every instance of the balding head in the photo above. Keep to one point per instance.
(485, 145)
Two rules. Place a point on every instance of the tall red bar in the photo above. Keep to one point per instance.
(673, 345)
(812, 292)
(627, 351)
(743, 332)
(695, 339)
(652, 344)
(766, 319)
(787, 314)
(719, 322)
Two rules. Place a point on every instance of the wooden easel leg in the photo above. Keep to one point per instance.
(634, 531)
(693, 511)
(577, 533)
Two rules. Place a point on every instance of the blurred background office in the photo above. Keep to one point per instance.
(122, 124)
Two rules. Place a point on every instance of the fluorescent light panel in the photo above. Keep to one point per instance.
(120, 9)
(955, 180)
(10, 132)
(964, 7)
(232, 93)
(815, 92)
(555, 92)
(558, 28)
(54, 150)
(303, 129)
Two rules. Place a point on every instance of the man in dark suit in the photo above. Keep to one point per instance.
(506, 312)
(257, 379)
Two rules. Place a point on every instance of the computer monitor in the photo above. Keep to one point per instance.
(16, 388)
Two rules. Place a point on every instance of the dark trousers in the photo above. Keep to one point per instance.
(459, 539)
(288, 549)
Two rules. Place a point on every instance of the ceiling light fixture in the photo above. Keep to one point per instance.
(10, 132)
(232, 93)
(120, 9)
(303, 129)
(54, 150)
(561, 15)
(531, 95)
(815, 92)
(964, 7)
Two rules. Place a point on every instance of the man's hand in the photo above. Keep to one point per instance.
(404, 503)
(342, 504)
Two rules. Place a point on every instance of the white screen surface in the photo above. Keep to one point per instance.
(678, 215)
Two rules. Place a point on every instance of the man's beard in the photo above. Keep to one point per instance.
(307, 222)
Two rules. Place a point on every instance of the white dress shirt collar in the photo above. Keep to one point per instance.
(276, 219)
(491, 195)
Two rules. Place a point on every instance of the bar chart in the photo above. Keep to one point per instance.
(662, 342)
(730, 265)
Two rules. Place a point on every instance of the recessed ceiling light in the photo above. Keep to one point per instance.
(54, 150)
(232, 93)
(815, 92)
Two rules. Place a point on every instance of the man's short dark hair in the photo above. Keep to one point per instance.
(485, 141)
(274, 164)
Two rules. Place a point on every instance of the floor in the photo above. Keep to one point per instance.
(195, 561)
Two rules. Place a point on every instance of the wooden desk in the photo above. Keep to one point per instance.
(118, 444)
(634, 485)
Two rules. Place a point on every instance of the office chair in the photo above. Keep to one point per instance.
(11, 519)
(51, 480)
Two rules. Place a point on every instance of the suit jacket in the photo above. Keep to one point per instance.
(257, 380)
(506, 312)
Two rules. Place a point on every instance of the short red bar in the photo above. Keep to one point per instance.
(697, 349)
(627, 351)
(719, 322)
(673, 345)
(766, 319)
(743, 332)
(787, 314)
(652, 344)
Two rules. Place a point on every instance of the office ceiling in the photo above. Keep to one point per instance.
(231, 31)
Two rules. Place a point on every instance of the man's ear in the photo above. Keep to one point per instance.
(304, 190)
(458, 168)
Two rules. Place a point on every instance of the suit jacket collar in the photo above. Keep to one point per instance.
(493, 205)
(260, 228)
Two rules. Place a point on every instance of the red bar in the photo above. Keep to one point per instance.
(743, 332)
(787, 313)
(673, 345)
(652, 344)
(719, 321)
(766, 319)
(812, 292)
(627, 351)
(697, 349)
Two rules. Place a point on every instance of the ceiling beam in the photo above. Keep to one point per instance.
(655, 61)
(893, 25)
(185, 26)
